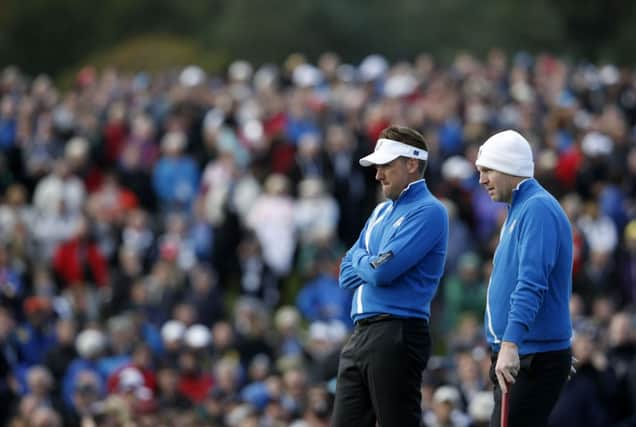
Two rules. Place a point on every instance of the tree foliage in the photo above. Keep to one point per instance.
(53, 36)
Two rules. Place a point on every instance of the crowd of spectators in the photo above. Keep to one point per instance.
(169, 243)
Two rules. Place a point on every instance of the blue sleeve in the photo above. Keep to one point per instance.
(348, 277)
(420, 232)
(538, 247)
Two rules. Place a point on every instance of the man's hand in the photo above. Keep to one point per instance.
(508, 365)
(573, 367)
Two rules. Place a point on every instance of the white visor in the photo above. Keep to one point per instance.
(387, 150)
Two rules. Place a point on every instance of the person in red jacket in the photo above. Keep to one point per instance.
(79, 260)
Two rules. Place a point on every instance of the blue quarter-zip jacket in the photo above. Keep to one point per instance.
(414, 230)
(531, 281)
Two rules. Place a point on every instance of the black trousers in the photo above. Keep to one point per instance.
(380, 374)
(531, 398)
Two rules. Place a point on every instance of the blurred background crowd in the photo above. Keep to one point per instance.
(170, 242)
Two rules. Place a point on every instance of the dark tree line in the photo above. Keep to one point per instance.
(55, 36)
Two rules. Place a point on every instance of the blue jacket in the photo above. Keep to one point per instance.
(531, 281)
(406, 239)
(322, 299)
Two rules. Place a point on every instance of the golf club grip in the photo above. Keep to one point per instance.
(505, 397)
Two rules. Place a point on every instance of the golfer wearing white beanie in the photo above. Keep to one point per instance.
(507, 152)
(504, 161)
(527, 317)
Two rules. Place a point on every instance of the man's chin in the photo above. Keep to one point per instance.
(493, 196)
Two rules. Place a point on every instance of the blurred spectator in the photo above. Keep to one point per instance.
(322, 349)
(287, 323)
(227, 373)
(59, 191)
(176, 175)
(470, 381)
(621, 356)
(85, 393)
(573, 206)
(205, 295)
(293, 395)
(194, 382)
(272, 219)
(627, 265)
(114, 132)
(11, 287)
(172, 333)
(321, 298)
(79, 261)
(35, 336)
(317, 212)
(59, 357)
(251, 322)
(7, 123)
(480, 409)
(585, 399)
(465, 291)
(347, 180)
(15, 213)
(446, 409)
(130, 270)
(318, 409)
(112, 201)
(169, 395)
(40, 387)
(257, 278)
(224, 339)
(90, 345)
(460, 238)
(8, 362)
(138, 236)
(45, 417)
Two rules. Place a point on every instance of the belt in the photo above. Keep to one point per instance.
(382, 317)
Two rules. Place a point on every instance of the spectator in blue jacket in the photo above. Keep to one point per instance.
(176, 175)
(394, 269)
(320, 297)
(527, 318)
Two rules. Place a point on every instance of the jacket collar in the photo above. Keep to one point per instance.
(524, 190)
(414, 189)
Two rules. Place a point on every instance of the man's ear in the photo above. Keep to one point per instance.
(412, 165)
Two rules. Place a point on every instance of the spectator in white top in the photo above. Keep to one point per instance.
(317, 212)
(272, 219)
(59, 191)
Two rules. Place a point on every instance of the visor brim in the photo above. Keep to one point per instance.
(378, 158)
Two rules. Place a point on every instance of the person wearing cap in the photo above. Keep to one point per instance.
(394, 270)
(527, 319)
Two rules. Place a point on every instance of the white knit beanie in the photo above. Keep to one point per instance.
(507, 152)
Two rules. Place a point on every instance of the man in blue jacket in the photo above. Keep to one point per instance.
(527, 319)
(394, 269)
